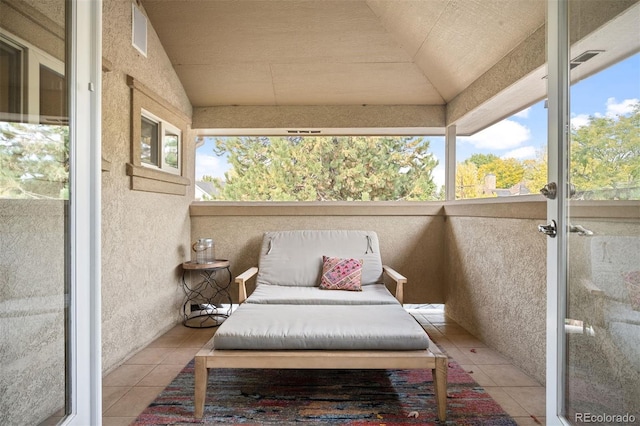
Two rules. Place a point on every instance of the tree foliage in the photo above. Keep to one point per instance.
(334, 168)
(468, 183)
(34, 160)
(605, 157)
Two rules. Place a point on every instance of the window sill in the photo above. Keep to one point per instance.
(150, 180)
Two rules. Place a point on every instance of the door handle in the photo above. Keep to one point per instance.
(551, 229)
(580, 230)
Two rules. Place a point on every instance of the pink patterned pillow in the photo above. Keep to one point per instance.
(341, 274)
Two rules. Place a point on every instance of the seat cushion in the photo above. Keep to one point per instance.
(328, 327)
(376, 294)
(294, 258)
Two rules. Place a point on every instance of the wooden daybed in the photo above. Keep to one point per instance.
(288, 322)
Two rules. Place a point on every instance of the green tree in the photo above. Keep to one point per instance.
(341, 168)
(535, 172)
(605, 157)
(508, 171)
(34, 160)
(481, 159)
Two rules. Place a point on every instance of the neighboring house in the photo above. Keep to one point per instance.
(204, 191)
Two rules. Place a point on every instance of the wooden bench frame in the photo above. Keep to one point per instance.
(209, 357)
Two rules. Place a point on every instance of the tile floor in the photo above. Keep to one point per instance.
(129, 389)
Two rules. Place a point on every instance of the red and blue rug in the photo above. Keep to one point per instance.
(353, 397)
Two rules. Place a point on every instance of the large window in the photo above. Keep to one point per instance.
(318, 168)
(506, 159)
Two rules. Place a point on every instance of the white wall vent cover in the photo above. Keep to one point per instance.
(139, 29)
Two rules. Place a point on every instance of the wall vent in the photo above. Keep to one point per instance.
(304, 132)
(139, 29)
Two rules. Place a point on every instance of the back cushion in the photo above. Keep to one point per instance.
(294, 258)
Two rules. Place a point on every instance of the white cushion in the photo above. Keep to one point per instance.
(330, 327)
(294, 258)
(375, 294)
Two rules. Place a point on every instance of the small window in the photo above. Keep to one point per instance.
(159, 143)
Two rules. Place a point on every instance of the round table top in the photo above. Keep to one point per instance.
(218, 263)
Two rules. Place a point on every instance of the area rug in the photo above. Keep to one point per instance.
(353, 397)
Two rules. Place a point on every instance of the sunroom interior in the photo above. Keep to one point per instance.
(370, 67)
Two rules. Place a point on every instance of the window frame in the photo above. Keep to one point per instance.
(146, 177)
(31, 60)
(164, 128)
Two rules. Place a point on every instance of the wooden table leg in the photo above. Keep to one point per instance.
(440, 385)
(201, 380)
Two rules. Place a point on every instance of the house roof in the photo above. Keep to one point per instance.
(464, 62)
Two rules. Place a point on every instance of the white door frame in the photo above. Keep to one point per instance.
(558, 143)
(84, 82)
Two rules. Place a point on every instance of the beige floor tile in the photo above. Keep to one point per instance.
(180, 356)
(458, 355)
(530, 421)
(531, 398)
(466, 341)
(111, 394)
(133, 402)
(117, 421)
(478, 375)
(451, 328)
(149, 356)
(196, 340)
(167, 342)
(507, 375)
(507, 403)
(432, 330)
(179, 331)
(485, 356)
(126, 375)
(161, 375)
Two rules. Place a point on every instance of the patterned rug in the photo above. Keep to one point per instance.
(353, 397)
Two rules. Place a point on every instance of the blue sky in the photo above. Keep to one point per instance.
(613, 91)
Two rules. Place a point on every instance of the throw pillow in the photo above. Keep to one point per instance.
(341, 274)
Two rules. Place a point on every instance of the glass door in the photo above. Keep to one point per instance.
(594, 214)
(602, 322)
(34, 210)
(49, 212)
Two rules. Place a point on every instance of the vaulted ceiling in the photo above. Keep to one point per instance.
(284, 53)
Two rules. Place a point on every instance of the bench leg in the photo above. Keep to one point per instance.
(201, 380)
(440, 385)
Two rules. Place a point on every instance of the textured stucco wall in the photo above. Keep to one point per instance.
(496, 273)
(410, 244)
(32, 332)
(145, 236)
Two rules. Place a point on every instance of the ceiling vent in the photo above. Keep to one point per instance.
(582, 58)
(304, 132)
(138, 29)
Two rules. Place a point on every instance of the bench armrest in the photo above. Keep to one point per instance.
(399, 279)
(241, 280)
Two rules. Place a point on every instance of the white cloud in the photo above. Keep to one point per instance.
(506, 134)
(523, 114)
(525, 152)
(211, 166)
(580, 120)
(438, 174)
(625, 107)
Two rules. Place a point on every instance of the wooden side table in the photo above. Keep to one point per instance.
(205, 295)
